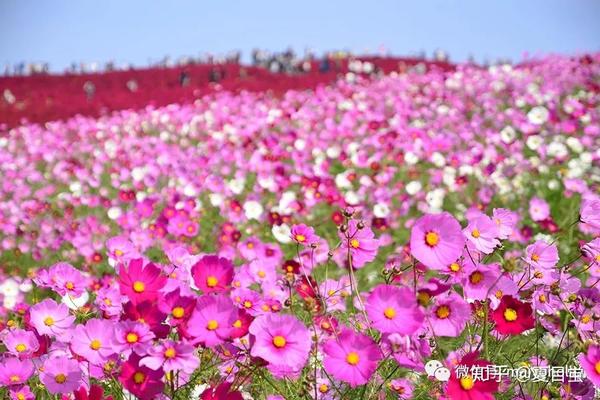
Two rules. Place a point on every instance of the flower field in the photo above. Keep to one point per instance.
(376, 238)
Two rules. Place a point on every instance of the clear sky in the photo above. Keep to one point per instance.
(137, 32)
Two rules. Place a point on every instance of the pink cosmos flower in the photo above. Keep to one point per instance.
(131, 336)
(94, 340)
(393, 309)
(21, 343)
(66, 280)
(61, 375)
(590, 362)
(479, 280)
(141, 381)
(172, 356)
(50, 318)
(141, 282)
(351, 357)
(212, 274)
(436, 240)
(304, 235)
(361, 243)
(506, 221)
(592, 250)
(281, 340)
(590, 212)
(14, 371)
(21, 393)
(448, 315)
(539, 209)
(542, 255)
(212, 320)
(482, 233)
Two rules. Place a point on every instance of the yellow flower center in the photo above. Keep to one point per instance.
(139, 377)
(432, 239)
(585, 319)
(15, 378)
(170, 352)
(498, 294)
(423, 298)
(132, 337)
(323, 388)
(95, 344)
(212, 281)
(108, 302)
(279, 341)
(20, 348)
(598, 258)
(138, 286)
(467, 382)
(538, 274)
(454, 267)
(69, 285)
(475, 233)
(178, 312)
(476, 277)
(60, 378)
(597, 367)
(542, 298)
(510, 315)
(535, 257)
(355, 243)
(20, 396)
(237, 324)
(261, 274)
(49, 321)
(352, 358)
(443, 312)
(300, 238)
(247, 304)
(389, 313)
(212, 325)
(118, 253)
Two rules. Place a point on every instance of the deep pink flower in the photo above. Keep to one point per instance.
(512, 316)
(281, 340)
(94, 340)
(212, 320)
(542, 255)
(172, 356)
(467, 387)
(141, 381)
(483, 234)
(394, 310)
(14, 371)
(96, 392)
(590, 362)
(221, 392)
(21, 343)
(61, 375)
(141, 282)
(436, 240)
(179, 308)
(304, 235)
(50, 318)
(351, 357)
(213, 274)
(361, 243)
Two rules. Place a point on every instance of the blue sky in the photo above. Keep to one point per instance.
(135, 31)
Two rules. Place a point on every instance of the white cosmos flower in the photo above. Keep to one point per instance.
(236, 185)
(381, 210)
(538, 115)
(438, 159)
(75, 303)
(534, 142)
(508, 134)
(253, 209)
(216, 199)
(557, 150)
(411, 158)
(413, 187)
(282, 233)
(574, 144)
(114, 213)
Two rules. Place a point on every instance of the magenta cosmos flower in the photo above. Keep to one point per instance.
(482, 233)
(448, 315)
(281, 340)
(590, 212)
(436, 240)
(94, 340)
(21, 343)
(542, 255)
(141, 381)
(61, 375)
(304, 235)
(394, 310)
(212, 320)
(590, 362)
(212, 274)
(50, 318)
(361, 243)
(14, 371)
(132, 336)
(140, 282)
(172, 356)
(351, 357)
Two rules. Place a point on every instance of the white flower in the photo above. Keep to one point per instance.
(435, 199)
(534, 142)
(138, 173)
(574, 144)
(381, 210)
(300, 144)
(75, 303)
(352, 197)
(236, 185)
(553, 184)
(411, 158)
(334, 152)
(282, 233)
(9, 288)
(508, 134)
(253, 209)
(190, 191)
(413, 187)
(114, 213)
(342, 181)
(557, 150)
(438, 159)
(538, 115)
(216, 199)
